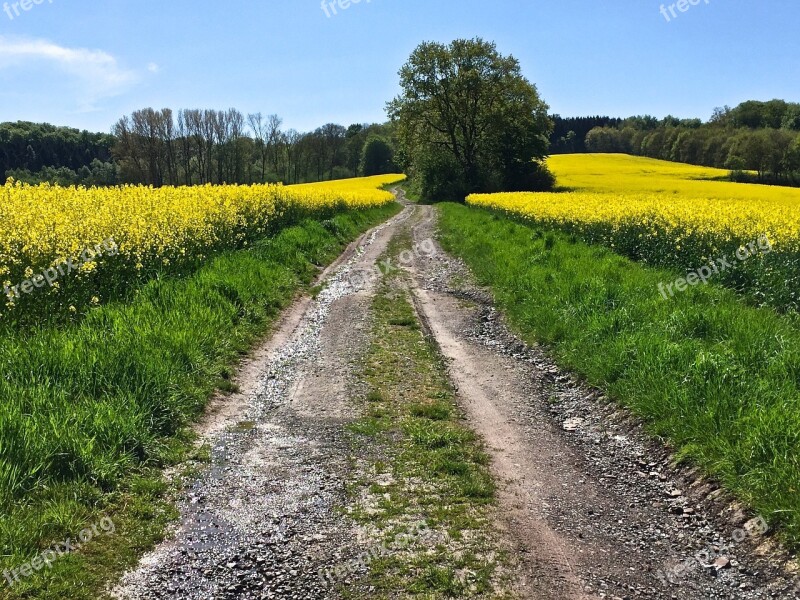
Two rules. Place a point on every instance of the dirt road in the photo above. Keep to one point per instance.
(590, 506)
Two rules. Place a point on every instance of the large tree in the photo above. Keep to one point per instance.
(468, 121)
(377, 157)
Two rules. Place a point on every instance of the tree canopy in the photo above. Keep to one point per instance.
(468, 121)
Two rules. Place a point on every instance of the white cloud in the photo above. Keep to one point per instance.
(95, 73)
(153, 67)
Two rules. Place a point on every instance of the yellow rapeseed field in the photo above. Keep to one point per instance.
(645, 197)
(44, 225)
(672, 215)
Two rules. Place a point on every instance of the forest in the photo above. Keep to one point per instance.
(193, 147)
(755, 141)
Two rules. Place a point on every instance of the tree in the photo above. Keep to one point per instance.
(792, 118)
(189, 146)
(274, 137)
(793, 157)
(569, 134)
(755, 136)
(355, 146)
(377, 158)
(569, 140)
(604, 139)
(468, 121)
(261, 137)
(721, 116)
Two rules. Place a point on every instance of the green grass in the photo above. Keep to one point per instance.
(717, 378)
(413, 430)
(89, 412)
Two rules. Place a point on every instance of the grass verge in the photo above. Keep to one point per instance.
(92, 412)
(715, 377)
(425, 493)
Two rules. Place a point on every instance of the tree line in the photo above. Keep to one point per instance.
(195, 147)
(756, 141)
(38, 152)
(446, 150)
(569, 133)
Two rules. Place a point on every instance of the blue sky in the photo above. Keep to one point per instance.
(86, 63)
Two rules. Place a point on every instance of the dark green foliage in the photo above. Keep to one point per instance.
(377, 158)
(468, 121)
(34, 146)
(190, 147)
(97, 174)
(569, 133)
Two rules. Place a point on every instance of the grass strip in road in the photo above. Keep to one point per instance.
(715, 377)
(90, 413)
(425, 494)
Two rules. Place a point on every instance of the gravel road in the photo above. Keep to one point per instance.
(593, 508)
(260, 522)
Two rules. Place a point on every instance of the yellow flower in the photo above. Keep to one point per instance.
(671, 202)
(44, 226)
